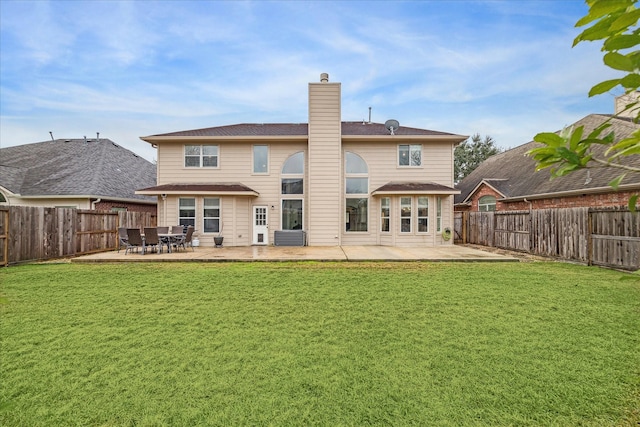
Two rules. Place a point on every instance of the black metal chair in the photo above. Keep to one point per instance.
(151, 239)
(134, 240)
(186, 241)
(122, 238)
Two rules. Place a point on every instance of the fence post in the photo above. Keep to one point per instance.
(589, 237)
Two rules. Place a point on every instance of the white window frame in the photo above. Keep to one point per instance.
(409, 217)
(253, 159)
(205, 217)
(282, 212)
(411, 149)
(195, 210)
(382, 214)
(438, 214)
(200, 156)
(485, 207)
(419, 217)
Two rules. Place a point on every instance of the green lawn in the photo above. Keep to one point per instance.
(331, 344)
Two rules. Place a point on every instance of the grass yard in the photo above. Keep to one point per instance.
(330, 344)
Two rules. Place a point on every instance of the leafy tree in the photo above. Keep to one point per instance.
(614, 22)
(468, 155)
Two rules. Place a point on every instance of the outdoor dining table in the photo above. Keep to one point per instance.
(171, 238)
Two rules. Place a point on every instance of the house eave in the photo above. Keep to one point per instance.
(422, 192)
(570, 193)
(84, 197)
(154, 140)
(455, 139)
(198, 193)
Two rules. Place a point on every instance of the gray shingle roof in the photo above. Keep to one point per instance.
(513, 172)
(299, 129)
(72, 167)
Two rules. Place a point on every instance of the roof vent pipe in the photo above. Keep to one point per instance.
(85, 139)
(51, 133)
(369, 115)
(97, 136)
(324, 78)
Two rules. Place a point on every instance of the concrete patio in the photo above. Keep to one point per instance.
(305, 253)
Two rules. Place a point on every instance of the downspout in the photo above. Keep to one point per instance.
(93, 204)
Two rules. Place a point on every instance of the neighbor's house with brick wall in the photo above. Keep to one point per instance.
(82, 173)
(509, 181)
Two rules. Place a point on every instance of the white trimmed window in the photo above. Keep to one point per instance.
(423, 214)
(409, 155)
(438, 214)
(261, 159)
(385, 212)
(292, 182)
(187, 211)
(357, 193)
(211, 214)
(405, 214)
(487, 204)
(201, 156)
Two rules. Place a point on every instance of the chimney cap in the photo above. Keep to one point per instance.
(324, 77)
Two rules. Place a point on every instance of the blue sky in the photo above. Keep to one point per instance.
(133, 68)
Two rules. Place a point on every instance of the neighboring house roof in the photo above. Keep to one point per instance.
(235, 189)
(295, 130)
(76, 167)
(513, 174)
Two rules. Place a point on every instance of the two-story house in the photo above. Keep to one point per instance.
(324, 183)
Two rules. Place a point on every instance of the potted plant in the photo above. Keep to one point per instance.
(218, 239)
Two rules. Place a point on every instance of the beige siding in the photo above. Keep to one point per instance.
(381, 159)
(324, 198)
(235, 165)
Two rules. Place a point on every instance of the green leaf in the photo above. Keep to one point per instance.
(597, 131)
(599, 30)
(575, 138)
(601, 8)
(626, 20)
(616, 182)
(622, 41)
(631, 81)
(632, 202)
(618, 61)
(603, 87)
(549, 138)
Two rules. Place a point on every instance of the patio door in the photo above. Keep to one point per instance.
(260, 226)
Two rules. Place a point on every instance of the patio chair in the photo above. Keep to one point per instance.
(151, 239)
(122, 238)
(177, 229)
(186, 240)
(134, 240)
(163, 230)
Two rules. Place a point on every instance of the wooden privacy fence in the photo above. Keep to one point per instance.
(592, 236)
(37, 233)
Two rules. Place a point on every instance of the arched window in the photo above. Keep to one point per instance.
(487, 203)
(292, 183)
(357, 193)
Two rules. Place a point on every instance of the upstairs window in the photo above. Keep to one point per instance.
(487, 204)
(357, 193)
(261, 159)
(292, 180)
(409, 155)
(201, 156)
